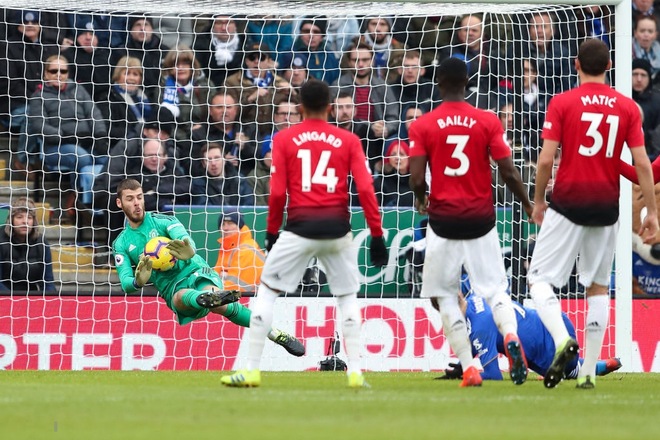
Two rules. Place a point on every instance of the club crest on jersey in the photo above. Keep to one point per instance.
(318, 137)
(153, 233)
(462, 121)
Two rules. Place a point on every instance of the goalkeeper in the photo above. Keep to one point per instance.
(191, 289)
(487, 342)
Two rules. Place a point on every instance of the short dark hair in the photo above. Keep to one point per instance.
(452, 72)
(210, 146)
(315, 95)
(594, 55)
(130, 184)
(343, 94)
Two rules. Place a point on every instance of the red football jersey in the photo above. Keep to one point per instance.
(458, 141)
(591, 122)
(311, 162)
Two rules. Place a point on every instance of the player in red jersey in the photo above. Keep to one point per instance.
(311, 163)
(591, 123)
(457, 141)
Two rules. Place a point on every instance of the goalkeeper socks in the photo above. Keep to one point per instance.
(549, 310)
(597, 315)
(503, 314)
(238, 314)
(189, 298)
(455, 329)
(351, 322)
(260, 324)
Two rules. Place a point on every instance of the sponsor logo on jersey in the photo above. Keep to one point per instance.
(131, 247)
(119, 259)
(170, 227)
(547, 125)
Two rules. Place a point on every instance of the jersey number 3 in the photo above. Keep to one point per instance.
(464, 162)
(322, 174)
(595, 120)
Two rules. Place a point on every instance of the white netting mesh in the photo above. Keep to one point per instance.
(92, 114)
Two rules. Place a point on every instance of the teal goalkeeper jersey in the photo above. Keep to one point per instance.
(129, 246)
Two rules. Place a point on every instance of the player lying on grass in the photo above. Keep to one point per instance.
(191, 289)
(487, 342)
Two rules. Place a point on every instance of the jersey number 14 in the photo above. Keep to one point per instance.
(322, 174)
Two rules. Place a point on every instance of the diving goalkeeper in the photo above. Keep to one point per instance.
(191, 289)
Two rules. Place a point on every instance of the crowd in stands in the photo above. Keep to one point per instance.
(189, 106)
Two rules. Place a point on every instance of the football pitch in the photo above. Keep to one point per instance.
(317, 405)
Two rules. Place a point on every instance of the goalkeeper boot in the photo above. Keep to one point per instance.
(211, 299)
(608, 366)
(471, 377)
(517, 362)
(290, 344)
(356, 380)
(586, 383)
(565, 354)
(242, 379)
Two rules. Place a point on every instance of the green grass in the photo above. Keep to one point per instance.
(314, 405)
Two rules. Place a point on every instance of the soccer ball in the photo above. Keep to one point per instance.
(156, 250)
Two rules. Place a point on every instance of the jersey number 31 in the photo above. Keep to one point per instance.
(595, 120)
(322, 174)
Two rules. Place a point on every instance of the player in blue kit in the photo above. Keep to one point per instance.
(487, 342)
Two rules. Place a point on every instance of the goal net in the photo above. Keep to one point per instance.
(186, 97)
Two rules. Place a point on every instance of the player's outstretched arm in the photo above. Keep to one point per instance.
(181, 249)
(649, 228)
(513, 181)
(543, 173)
(418, 183)
(628, 171)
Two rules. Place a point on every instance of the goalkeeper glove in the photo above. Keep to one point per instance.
(143, 271)
(455, 371)
(378, 252)
(181, 250)
(270, 240)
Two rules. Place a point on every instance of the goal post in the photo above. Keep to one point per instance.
(402, 331)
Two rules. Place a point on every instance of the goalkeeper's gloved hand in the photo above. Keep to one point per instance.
(181, 250)
(378, 252)
(455, 371)
(143, 271)
(270, 240)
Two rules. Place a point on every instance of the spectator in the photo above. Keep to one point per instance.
(286, 115)
(53, 31)
(595, 22)
(388, 52)
(21, 71)
(162, 184)
(343, 116)
(67, 123)
(185, 92)
(272, 32)
(174, 29)
(644, 8)
(220, 49)
(645, 43)
(649, 101)
(258, 86)
(321, 63)
(392, 187)
(340, 32)
(89, 64)
(223, 128)
(472, 46)
(240, 260)
(408, 87)
(373, 99)
(126, 106)
(221, 185)
(25, 257)
(110, 28)
(296, 73)
(555, 69)
(125, 155)
(147, 47)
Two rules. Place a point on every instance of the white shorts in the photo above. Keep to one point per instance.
(481, 257)
(559, 243)
(287, 261)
